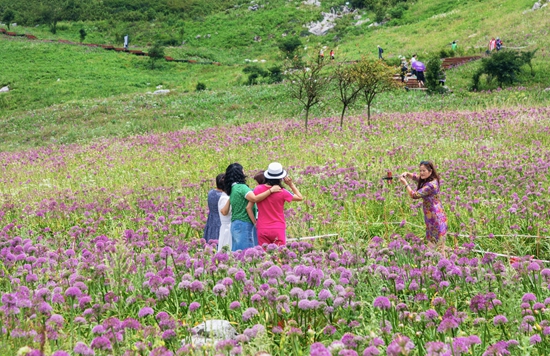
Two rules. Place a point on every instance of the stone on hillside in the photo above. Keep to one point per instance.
(198, 36)
(5, 89)
(14, 24)
(257, 38)
(312, 2)
(212, 331)
(162, 91)
(360, 22)
(536, 6)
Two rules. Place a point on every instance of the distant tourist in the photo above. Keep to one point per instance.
(442, 78)
(213, 223)
(498, 44)
(420, 78)
(427, 189)
(380, 51)
(243, 232)
(404, 69)
(454, 46)
(492, 45)
(321, 54)
(332, 54)
(271, 217)
(413, 59)
(224, 209)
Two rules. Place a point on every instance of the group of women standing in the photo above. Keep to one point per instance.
(234, 220)
(240, 217)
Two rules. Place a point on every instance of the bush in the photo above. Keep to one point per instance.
(254, 73)
(290, 45)
(397, 11)
(275, 74)
(200, 86)
(503, 65)
(433, 74)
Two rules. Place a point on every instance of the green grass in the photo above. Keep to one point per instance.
(66, 93)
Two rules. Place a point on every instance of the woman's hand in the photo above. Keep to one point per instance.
(275, 189)
(288, 181)
(403, 180)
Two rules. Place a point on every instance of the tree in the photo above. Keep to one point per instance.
(290, 46)
(375, 77)
(308, 83)
(83, 34)
(526, 58)
(8, 17)
(51, 12)
(155, 53)
(433, 74)
(254, 72)
(502, 65)
(349, 86)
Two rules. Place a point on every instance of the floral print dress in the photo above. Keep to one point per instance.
(434, 216)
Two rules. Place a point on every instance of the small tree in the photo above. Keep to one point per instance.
(254, 72)
(526, 58)
(8, 17)
(308, 84)
(155, 53)
(433, 73)
(83, 34)
(349, 86)
(290, 46)
(200, 86)
(502, 65)
(375, 77)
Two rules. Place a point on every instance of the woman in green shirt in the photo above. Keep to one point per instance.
(243, 232)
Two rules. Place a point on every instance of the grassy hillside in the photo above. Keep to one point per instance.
(65, 93)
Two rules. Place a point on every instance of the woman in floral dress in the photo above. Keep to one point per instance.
(427, 189)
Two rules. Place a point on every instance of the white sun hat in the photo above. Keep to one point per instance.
(275, 171)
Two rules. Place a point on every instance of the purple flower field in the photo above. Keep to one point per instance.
(101, 253)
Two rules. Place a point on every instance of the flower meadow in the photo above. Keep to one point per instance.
(101, 253)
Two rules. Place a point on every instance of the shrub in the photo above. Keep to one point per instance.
(254, 73)
(290, 46)
(200, 86)
(275, 74)
(503, 65)
(433, 74)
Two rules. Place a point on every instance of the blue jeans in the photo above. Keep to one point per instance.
(243, 235)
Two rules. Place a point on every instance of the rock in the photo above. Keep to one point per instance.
(198, 36)
(312, 2)
(257, 38)
(263, 61)
(357, 17)
(14, 24)
(162, 91)
(254, 7)
(360, 22)
(536, 6)
(207, 36)
(212, 331)
(5, 89)
(159, 86)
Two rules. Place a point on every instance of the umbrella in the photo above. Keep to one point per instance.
(419, 66)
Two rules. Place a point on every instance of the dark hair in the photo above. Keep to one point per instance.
(273, 182)
(233, 174)
(429, 166)
(259, 177)
(219, 180)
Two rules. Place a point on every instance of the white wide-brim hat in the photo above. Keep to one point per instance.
(275, 171)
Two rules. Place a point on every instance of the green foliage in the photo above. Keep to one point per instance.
(155, 53)
(290, 46)
(503, 65)
(434, 72)
(254, 73)
(275, 74)
(8, 17)
(200, 86)
(527, 57)
(83, 34)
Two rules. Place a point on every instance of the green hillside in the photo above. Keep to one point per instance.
(45, 77)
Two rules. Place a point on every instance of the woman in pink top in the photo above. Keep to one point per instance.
(271, 223)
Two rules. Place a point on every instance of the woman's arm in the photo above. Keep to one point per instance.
(226, 207)
(250, 212)
(297, 195)
(251, 197)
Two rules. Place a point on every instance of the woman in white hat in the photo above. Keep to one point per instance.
(271, 224)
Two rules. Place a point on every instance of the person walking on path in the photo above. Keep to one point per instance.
(498, 44)
(224, 209)
(454, 46)
(321, 54)
(213, 223)
(380, 51)
(243, 231)
(492, 45)
(427, 189)
(332, 54)
(271, 223)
